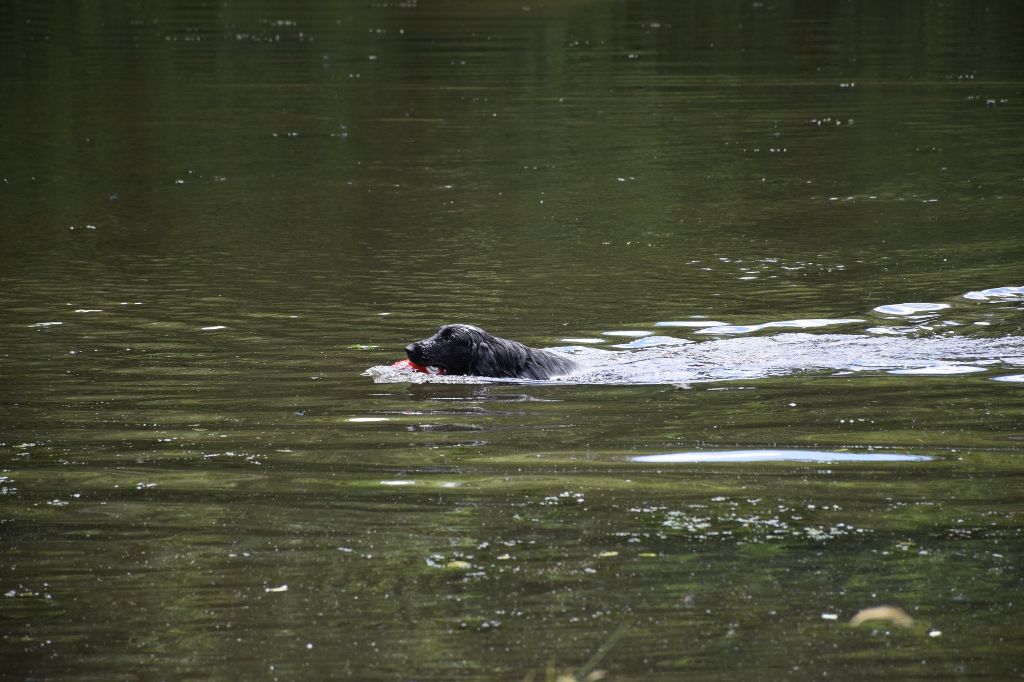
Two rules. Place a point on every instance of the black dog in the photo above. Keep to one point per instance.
(465, 349)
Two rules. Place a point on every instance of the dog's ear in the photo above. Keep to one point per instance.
(482, 360)
(495, 357)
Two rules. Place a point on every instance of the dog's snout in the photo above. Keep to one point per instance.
(414, 351)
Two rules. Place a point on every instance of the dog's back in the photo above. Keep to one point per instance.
(543, 364)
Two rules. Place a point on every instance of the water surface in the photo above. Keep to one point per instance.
(761, 228)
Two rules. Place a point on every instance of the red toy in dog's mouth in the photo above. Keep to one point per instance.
(409, 364)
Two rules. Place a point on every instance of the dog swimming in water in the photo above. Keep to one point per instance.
(468, 350)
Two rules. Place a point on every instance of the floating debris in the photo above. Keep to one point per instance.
(893, 614)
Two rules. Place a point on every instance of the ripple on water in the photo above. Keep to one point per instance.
(749, 456)
(634, 333)
(388, 374)
(1007, 293)
(780, 324)
(910, 308)
(938, 370)
(696, 324)
(652, 341)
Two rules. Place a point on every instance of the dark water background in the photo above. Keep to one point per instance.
(214, 217)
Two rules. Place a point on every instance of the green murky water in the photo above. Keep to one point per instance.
(783, 239)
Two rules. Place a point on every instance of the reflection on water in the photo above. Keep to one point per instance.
(754, 223)
(776, 456)
(783, 324)
(910, 308)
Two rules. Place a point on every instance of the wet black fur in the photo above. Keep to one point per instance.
(465, 349)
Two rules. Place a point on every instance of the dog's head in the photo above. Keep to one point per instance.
(455, 349)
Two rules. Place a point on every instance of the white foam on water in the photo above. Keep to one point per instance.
(651, 341)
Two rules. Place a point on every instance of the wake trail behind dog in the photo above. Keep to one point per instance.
(946, 338)
(666, 360)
